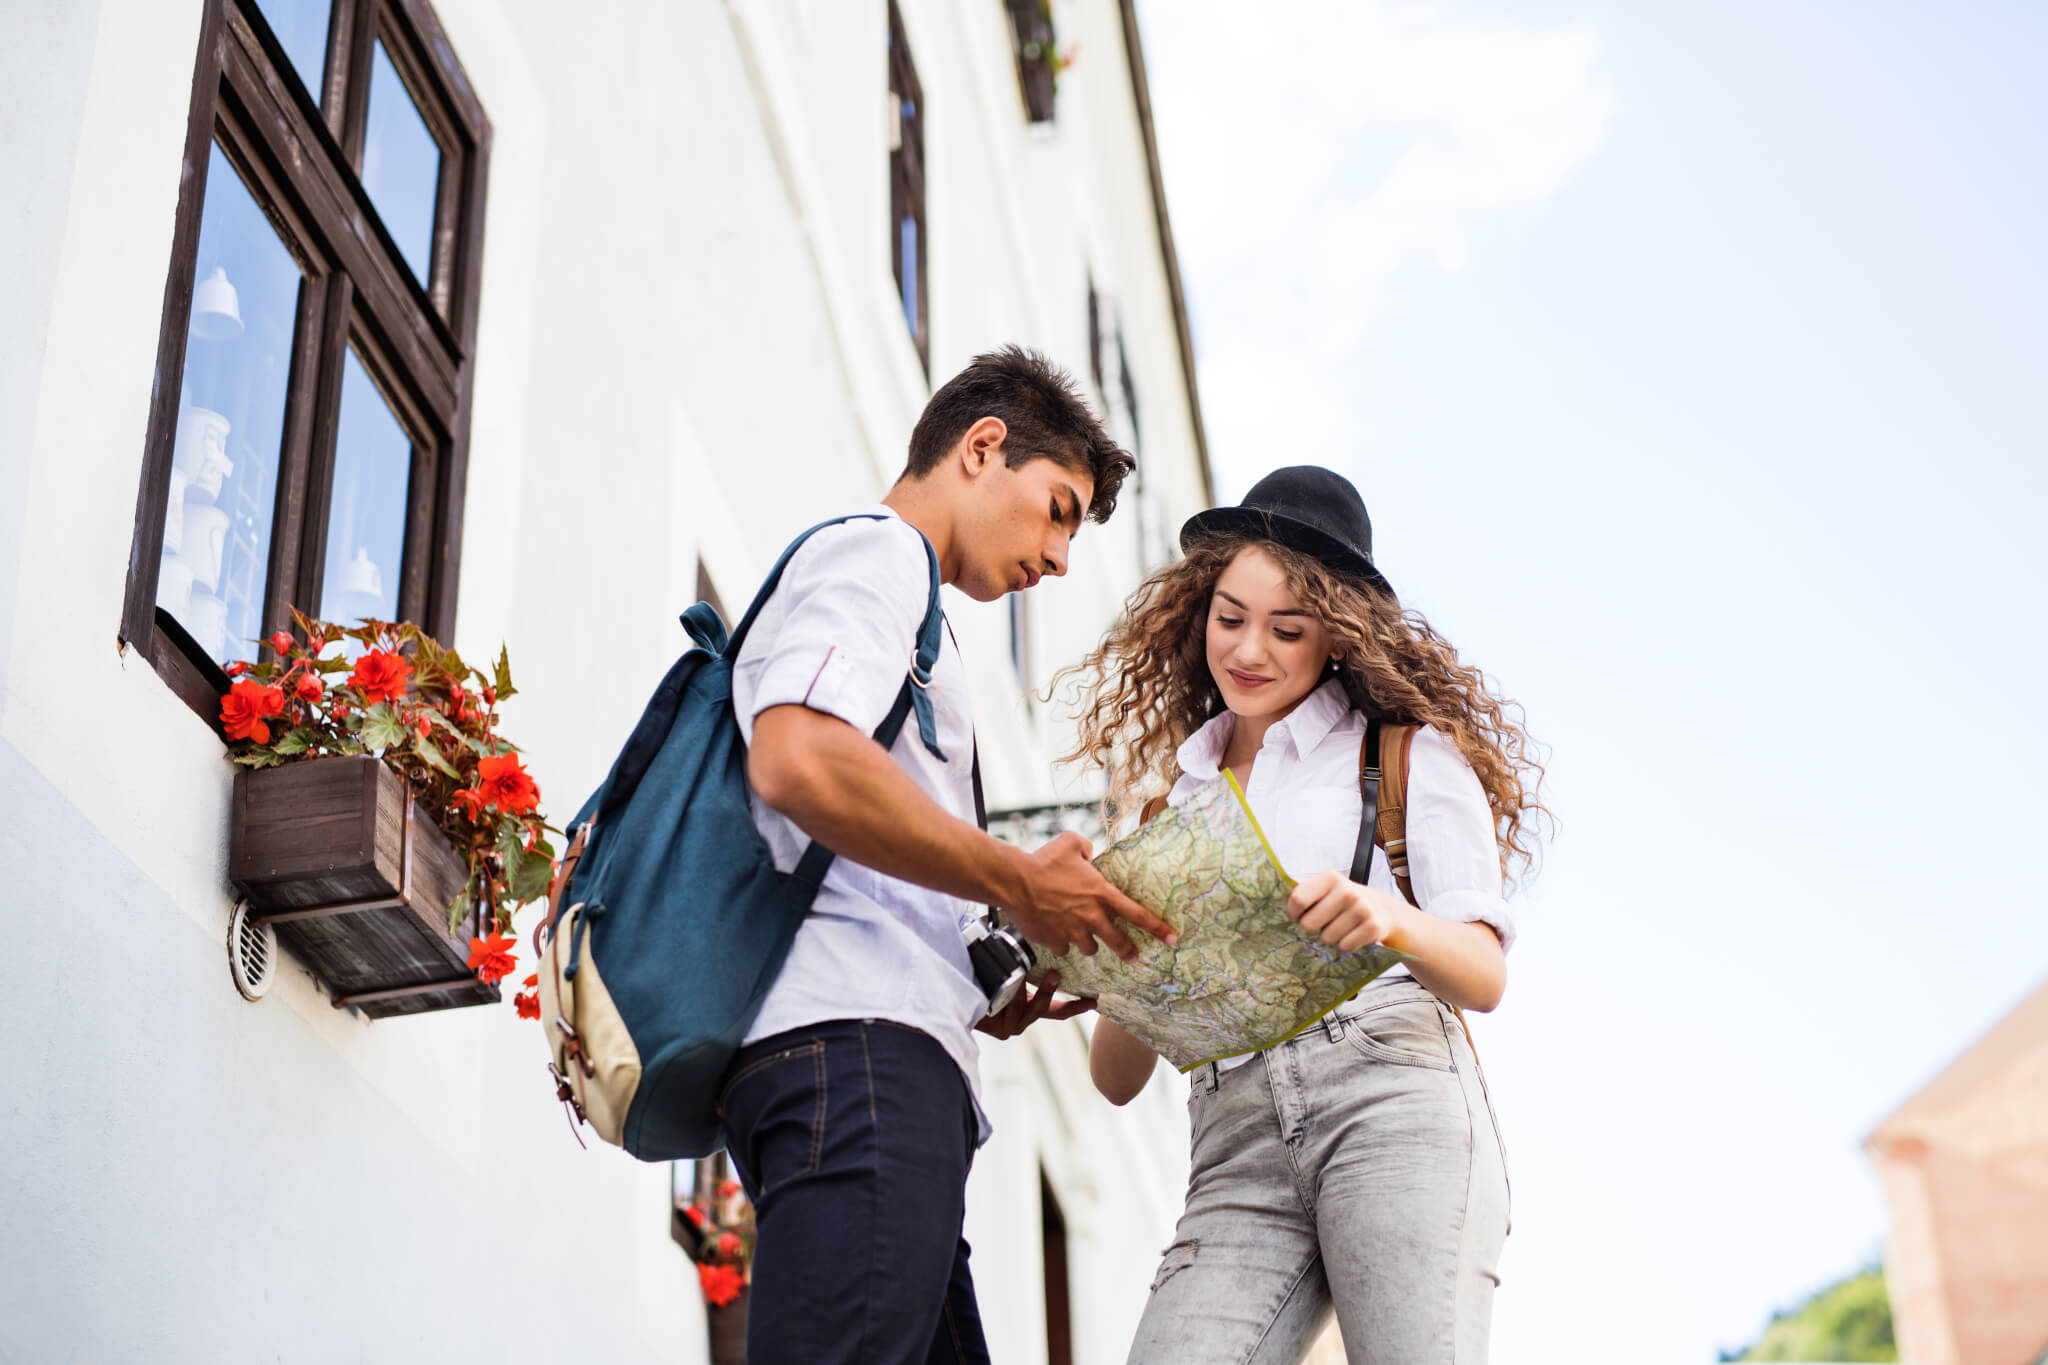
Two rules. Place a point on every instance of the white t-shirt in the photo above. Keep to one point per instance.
(1304, 793)
(838, 635)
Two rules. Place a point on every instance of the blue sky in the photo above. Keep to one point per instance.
(1690, 360)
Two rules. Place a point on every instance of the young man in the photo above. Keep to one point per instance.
(852, 1110)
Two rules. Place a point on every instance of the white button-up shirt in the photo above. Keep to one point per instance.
(838, 635)
(1304, 794)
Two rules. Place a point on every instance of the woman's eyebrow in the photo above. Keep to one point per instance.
(1289, 611)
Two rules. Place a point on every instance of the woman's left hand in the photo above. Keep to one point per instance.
(1343, 914)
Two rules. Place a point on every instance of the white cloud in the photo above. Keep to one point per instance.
(1313, 148)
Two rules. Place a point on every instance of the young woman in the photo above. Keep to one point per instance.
(1358, 1165)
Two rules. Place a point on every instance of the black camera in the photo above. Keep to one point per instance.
(1000, 957)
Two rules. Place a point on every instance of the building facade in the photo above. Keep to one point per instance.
(1965, 1168)
(534, 324)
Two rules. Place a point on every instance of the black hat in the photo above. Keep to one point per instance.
(1304, 507)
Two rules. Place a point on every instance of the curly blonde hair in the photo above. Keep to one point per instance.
(1147, 686)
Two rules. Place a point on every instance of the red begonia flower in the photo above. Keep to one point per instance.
(309, 687)
(381, 675)
(281, 642)
(243, 709)
(722, 1283)
(532, 981)
(694, 1214)
(728, 1244)
(506, 785)
(728, 1188)
(236, 669)
(527, 1005)
(470, 802)
(492, 958)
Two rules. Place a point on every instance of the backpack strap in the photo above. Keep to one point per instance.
(919, 679)
(1383, 796)
(1390, 830)
(1369, 775)
(1385, 822)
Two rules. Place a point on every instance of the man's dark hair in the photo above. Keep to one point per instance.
(1046, 416)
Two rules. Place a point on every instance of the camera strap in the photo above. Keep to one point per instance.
(988, 913)
(981, 817)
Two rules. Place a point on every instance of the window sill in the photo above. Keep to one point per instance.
(177, 659)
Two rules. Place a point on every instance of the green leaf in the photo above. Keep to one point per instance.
(337, 664)
(433, 758)
(460, 908)
(503, 681)
(381, 727)
(257, 758)
(529, 875)
(296, 742)
(510, 845)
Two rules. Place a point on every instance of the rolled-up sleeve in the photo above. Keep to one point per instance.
(845, 632)
(1453, 859)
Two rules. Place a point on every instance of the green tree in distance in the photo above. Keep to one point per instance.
(1850, 1321)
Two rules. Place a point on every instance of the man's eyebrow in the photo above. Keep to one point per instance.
(1079, 505)
(1291, 611)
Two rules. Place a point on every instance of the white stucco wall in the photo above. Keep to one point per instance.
(689, 344)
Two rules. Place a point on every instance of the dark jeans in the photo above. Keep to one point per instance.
(853, 1139)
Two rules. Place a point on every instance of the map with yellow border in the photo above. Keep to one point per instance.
(1244, 976)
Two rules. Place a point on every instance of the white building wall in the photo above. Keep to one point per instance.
(689, 345)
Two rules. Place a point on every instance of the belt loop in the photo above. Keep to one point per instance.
(1212, 1076)
(1333, 1026)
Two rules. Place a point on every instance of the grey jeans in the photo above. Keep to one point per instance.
(1357, 1167)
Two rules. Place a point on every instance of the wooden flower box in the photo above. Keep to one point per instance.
(357, 883)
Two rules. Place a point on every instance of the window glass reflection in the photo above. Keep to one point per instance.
(223, 493)
(366, 518)
(907, 270)
(401, 165)
(301, 29)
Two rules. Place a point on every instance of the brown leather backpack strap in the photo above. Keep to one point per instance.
(1391, 831)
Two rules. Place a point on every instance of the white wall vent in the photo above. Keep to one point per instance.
(252, 953)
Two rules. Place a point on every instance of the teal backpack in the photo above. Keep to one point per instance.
(668, 922)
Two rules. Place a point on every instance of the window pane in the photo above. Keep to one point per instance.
(906, 269)
(223, 492)
(366, 518)
(301, 28)
(401, 165)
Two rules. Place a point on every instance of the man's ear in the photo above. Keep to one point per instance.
(982, 446)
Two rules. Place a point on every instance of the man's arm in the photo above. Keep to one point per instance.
(843, 790)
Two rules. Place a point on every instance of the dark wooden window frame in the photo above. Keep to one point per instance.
(296, 152)
(1031, 34)
(1059, 1317)
(906, 181)
(1095, 340)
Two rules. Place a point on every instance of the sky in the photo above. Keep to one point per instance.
(1690, 359)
